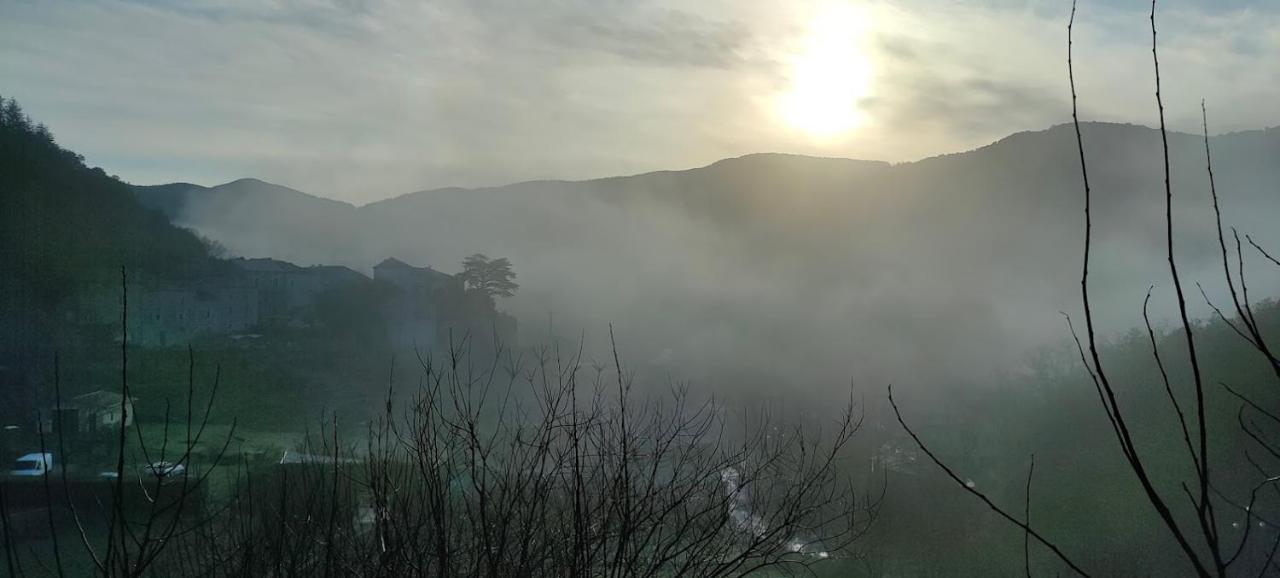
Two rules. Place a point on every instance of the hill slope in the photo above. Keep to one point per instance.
(66, 228)
(64, 225)
(269, 212)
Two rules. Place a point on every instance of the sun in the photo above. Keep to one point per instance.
(830, 75)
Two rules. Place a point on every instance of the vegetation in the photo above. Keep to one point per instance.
(469, 481)
(1190, 486)
(490, 277)
(544, 464)
(1084, 496)
(64, 225)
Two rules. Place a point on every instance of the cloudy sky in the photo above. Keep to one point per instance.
(364, 99)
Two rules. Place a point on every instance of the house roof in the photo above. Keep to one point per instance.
(295, 457)
(393, 262)
(335, 271)
(96, 400)
(264, 265)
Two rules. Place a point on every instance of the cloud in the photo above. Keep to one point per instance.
(969, 108)
(363, 99)
(636, 32)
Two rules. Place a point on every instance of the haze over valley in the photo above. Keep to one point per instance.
(709, 289)
(772, 267)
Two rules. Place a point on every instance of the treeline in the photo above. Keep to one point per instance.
(64, 225)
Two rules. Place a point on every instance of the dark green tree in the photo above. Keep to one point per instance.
(492, 277)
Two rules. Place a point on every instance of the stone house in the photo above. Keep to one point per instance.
(177, 314)
(287, 291)
(416, 309)
(93, 412)
(429, 308)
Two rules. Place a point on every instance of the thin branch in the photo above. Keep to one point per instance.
(997, 509)
(1026, 515)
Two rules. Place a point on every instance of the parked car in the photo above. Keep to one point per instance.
(165, 470)
(32, 465)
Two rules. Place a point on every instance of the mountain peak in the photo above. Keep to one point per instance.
(259, 187)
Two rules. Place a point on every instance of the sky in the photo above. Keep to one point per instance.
(360, 100)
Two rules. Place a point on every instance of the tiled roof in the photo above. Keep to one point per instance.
(97, 399)
(394, 262)
(265, 265)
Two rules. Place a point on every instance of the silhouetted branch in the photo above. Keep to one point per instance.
(1026, 516)
(981, 496)
(1164, 377)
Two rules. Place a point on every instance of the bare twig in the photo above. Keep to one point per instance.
(981, 496)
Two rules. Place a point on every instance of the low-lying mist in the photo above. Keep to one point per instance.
(791, 275)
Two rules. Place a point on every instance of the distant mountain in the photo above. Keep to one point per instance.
(782, 267)
(174, 198)
(292, 214)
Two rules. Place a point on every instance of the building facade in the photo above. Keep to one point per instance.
(418, 304)
(286, 291)
(176, 315)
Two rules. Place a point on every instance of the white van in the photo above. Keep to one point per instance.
(32, 465)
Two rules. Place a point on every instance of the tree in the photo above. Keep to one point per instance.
(547, 468)
(536, 466)
(1195, 519)
(11, 115)
(492, 277)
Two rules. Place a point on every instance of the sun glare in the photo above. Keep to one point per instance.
(831, 73)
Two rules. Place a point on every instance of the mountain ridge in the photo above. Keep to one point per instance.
(753, 255)
(154, 195)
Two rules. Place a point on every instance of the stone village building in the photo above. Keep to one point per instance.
(176, 315)
(424, 306)
(92, 413)
(415, 310)
(429, 309)
(286, 290)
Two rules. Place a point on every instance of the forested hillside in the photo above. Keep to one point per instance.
(64, 225)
